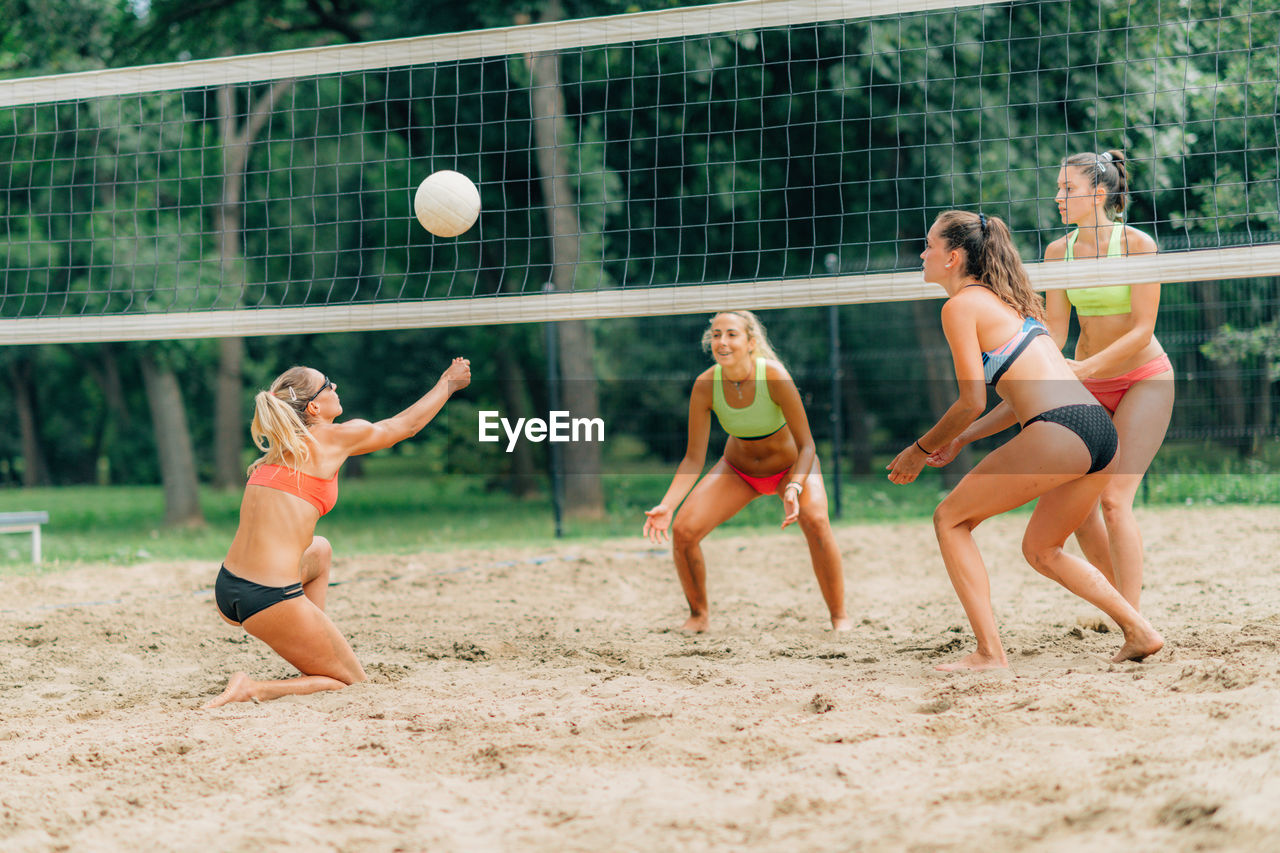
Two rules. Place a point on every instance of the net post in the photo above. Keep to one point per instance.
(554, 462)
(836, 416)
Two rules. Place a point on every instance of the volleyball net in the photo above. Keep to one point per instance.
(766, 153)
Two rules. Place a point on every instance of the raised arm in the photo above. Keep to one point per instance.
(658, 520)
(358, 436)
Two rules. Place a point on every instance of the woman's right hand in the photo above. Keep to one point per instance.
(457, 375)
(657, 524)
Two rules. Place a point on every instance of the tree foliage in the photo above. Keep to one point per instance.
(835, 141)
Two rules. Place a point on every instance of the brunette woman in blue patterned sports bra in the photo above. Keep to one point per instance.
(770, 451)
(276, 573)
(1117, 356)
(1063, 455)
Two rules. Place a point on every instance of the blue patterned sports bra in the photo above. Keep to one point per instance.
(998, 360)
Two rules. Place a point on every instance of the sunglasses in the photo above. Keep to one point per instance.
(323, 386)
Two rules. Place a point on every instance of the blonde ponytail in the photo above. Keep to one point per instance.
(279, 426)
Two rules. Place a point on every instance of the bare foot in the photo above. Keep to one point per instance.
(1139, 642)
(696, 624)
(841, 623)
(976, 661)
(239, 689)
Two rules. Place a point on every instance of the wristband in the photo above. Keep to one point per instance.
(921, 448)
(797, 486)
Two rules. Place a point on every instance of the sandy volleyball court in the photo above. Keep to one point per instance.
(539, 700)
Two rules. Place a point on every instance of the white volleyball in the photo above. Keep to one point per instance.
(447, 203)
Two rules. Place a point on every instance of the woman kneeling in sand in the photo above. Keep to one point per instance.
(1064, 454)
(274, 579)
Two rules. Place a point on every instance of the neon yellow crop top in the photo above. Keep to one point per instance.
(1100, 301)
(759, 420)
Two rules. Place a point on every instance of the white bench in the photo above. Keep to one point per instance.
(25, 522)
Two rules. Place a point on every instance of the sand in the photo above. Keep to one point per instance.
(541, 700)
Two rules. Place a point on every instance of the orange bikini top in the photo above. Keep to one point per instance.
(322, 494)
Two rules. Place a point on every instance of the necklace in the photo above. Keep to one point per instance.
(737, 384)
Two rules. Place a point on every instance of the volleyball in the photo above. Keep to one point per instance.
(447, 203)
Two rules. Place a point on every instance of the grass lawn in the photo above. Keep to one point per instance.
(398, 506)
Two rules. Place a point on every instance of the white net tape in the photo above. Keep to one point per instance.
(763, 153)
(453, 47)
(1235, 263)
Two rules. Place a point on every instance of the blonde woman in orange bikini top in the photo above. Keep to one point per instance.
(1117, 356)
(276, 572)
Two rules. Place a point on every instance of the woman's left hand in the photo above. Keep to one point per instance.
(906, 466)
(944, 454)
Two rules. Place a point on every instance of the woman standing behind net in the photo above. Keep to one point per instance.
(275, 576)
(770, 451)
(1117, 356)
(1062, 455)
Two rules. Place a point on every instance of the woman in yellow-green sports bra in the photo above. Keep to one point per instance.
(770, 451)
(1117, 356)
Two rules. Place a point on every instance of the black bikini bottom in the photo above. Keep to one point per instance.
(238, 599)
(1091, 422)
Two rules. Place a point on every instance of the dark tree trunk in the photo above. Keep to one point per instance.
(229, 420)
(237, 142)
(108, 371)
(523, 481)
(584, 491)
(1262, 420)
(513, 385)
(173, 443)
(100, 362)
(35, 467)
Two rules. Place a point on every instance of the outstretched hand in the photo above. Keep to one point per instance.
(657, 524)
(457, 374)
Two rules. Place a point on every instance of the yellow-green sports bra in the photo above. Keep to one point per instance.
(1100, 301)
(759, 420)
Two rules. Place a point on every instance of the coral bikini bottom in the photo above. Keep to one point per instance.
(763, 485)
(1109, 392)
